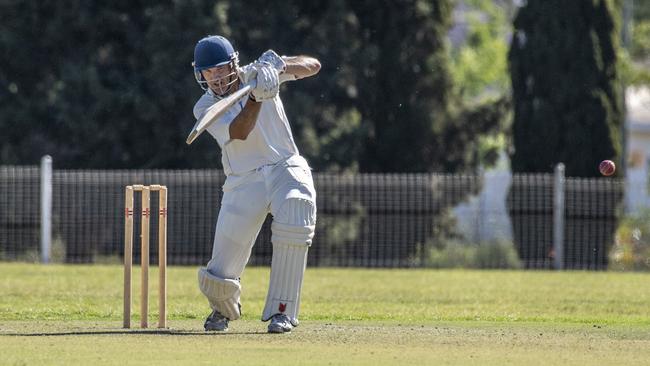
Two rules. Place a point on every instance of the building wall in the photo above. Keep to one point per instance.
(638, 148)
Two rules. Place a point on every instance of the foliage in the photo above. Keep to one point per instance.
(637, 63)
(117, 88)
(465, 255)
(566, 86)
(99, 85)
(633, 73)
(110, 85)
(632, 248)
(479, 71)
(323, 110)
(640, 49)
(489, 121)
(567, 101)
(479, 64)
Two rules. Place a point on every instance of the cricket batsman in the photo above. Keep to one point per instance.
(264, 174)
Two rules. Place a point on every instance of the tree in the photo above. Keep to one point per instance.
(323, 110)
(479, 68)
(416, 119)
(100, 85)
(566, 86)
(638, 66)
(385, 99)
(110, 85)
(479, 50)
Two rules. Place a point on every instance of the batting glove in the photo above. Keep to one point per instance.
(268, 82)
(274, 59)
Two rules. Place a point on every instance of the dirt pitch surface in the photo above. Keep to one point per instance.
(319, 343)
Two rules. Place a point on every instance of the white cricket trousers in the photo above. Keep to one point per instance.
(245, 205)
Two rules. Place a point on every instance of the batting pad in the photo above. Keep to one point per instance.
(294, 223)
(223, 294)
(287, 271)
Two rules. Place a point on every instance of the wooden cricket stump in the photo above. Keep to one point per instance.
(144, 242)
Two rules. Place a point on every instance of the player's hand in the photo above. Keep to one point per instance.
(268, 82)
(274, 59)
(248, 73)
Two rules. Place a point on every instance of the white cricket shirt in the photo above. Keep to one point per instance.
(269, 142)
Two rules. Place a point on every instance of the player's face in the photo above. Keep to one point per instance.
(220, 79)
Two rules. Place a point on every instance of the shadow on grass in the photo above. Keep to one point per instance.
(169, 332)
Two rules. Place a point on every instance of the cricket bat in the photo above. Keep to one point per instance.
(221, 107)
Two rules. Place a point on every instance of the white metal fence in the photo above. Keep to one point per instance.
(367, 220)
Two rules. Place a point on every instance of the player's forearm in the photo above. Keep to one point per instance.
(301, 66)
(245, 121)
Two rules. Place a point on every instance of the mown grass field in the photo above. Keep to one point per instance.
(72, 315)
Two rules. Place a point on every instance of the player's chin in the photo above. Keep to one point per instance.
(218, 90)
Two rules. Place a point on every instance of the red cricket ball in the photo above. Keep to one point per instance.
(607, 167)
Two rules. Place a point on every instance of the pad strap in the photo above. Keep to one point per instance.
(223, 294)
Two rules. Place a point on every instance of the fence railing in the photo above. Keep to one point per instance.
(366, 220)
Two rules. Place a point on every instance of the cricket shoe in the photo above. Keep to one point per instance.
(216, 322)
(280, 323)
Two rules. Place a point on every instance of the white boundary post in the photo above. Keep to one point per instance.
(46, 208)
(558, 217)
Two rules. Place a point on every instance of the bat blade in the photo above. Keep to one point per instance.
(216, 111)
(221, 107)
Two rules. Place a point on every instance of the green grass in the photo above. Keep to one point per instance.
(72, 315)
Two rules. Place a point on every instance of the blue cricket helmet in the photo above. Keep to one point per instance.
(214, 51)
